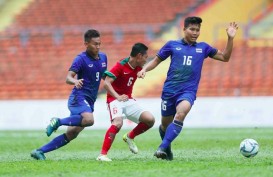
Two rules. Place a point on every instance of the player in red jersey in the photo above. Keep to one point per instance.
(119, 84)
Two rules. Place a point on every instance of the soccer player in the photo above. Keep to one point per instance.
(89, 67)
(181, 84)
(119, 84)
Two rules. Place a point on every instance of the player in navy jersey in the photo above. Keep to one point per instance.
(181, 85)
(85, 74)
(119, 84)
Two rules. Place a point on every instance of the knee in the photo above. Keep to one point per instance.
(118, 122)
(148, 119)
(71, 135)
(87, 120)
(180, 116)
(90, 121)
(165, 122)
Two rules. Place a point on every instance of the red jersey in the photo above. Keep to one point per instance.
(124, 76)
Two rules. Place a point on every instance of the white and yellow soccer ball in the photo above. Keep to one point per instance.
(249, 147)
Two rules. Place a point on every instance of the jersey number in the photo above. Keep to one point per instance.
(130, 81)
(115, 110)
(163, 105)
(97, 76)
(187, 60)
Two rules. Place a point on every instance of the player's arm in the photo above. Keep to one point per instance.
(70, 79)
(148, 67)
(108, 87)
(225, 55)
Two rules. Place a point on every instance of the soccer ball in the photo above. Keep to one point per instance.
(249, 147)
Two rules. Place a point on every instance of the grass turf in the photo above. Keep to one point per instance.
(197, 152)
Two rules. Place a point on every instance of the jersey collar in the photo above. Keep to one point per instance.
(89, 56)
(185, 43)
(130, 64)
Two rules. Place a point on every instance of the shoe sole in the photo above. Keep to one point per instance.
(169, 156)
(160, 155)
(103, 160)
(49, 126)
(35, 157)
(47, 133)
(125, 140)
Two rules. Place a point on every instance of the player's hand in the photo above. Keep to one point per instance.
(79, 83)
(123, 98)
(232, 29)
(141, 74)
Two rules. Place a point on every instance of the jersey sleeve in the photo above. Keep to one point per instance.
(76, 65)
(210, 51)
(114, 71)
(165, 51)
(105, 60)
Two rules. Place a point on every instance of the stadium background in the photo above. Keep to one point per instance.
(40, 38)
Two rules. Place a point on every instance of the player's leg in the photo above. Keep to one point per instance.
(56, 143)
(115, 111)
(73, 132)
(168, 110)
(55, 123)
(174, 128)
(62, 140)
(165, 121)
(109, 138)
(79, 112)
(81, 115)
(144, 119)
(87, 119)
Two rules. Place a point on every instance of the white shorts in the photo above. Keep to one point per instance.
(128, 109)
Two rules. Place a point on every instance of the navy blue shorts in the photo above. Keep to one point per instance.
(78, 105)
(168, 106)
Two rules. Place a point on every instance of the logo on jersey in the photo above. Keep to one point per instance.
(126, 73)
(103, 64)
(86, 103)
(198, 50)
(178, 48)
(90, 65)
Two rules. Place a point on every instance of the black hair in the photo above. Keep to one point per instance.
(89, 34)
(192, 20)
(138, 48)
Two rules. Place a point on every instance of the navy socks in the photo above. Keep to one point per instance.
(56, 143)
(162, 135)
(74, 120)
(171, 133)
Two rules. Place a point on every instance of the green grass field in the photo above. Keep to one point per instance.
(197, 152)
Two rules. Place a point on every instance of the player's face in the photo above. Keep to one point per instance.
(142, 59)
(93, 46)
(191, 33)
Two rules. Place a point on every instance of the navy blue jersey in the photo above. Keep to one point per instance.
(185, 68)
(91, 70)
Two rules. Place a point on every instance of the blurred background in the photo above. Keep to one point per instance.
(40, 38)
